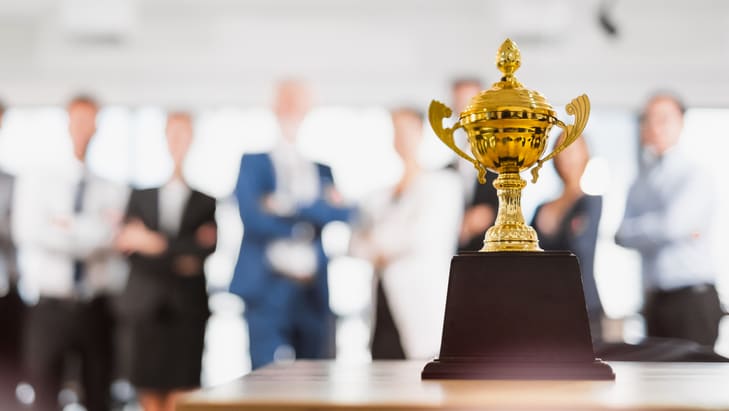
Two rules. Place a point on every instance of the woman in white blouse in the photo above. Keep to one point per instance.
(409, 233)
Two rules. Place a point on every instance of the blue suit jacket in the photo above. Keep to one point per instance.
(254, 280)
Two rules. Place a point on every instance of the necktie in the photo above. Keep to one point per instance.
(78, 202)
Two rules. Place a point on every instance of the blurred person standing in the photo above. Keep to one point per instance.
(168, 233)
(64, 226)
(409, 233)
(285, 200)
(11, 306)
(668, 217)
(481, 200)
(571, 221)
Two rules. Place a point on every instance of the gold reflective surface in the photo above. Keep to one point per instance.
(508, 128)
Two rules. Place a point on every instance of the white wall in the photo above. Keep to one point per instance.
(185, 53)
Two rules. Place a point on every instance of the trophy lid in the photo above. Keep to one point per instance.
(508, 94)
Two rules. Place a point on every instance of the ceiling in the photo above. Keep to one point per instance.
(191, 53)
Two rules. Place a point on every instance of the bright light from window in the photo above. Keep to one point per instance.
(702, 132)
(109, 153)
(35, 140)
(356, 143)
(151, 163)
(596, 178)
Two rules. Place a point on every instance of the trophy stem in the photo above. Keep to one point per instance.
(510, 232)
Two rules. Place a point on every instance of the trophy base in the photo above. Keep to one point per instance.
(514, 370)
(496, 246)
(516, 315)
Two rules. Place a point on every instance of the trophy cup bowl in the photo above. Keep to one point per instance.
(513, 310)
(508, 129)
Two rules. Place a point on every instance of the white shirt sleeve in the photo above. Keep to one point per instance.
(41, 221)
(686, 215)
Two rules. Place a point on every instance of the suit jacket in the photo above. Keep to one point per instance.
(578, 233)
(254, 279)
(155, 288)
(8, 263)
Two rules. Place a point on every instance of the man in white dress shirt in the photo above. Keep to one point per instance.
(668, 215)
(64, 226)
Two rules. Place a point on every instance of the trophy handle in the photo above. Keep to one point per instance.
(436, 113)
(580, 109)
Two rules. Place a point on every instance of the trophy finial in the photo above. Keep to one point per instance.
(508, 59)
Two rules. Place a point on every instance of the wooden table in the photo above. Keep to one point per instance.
(396, 385)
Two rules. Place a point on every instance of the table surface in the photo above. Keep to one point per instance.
(396, 385)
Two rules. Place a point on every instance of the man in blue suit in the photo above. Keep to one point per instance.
(285, 200)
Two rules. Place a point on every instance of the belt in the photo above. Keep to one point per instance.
(691, 289)
(70, 301)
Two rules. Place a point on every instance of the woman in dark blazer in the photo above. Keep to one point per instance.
(169, 232)
(571, 222)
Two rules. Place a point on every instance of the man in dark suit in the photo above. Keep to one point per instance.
(285, 200)
(481, 200)
(11, 306)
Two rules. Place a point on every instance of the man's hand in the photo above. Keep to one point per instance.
(333, 196)
(113, 217)
(475, 222)
(278, 205)
(206, 235)
(187, 265)
(135, 237)
(63, 222)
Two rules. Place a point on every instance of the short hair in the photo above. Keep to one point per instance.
(86, 99)
(2, 108)
(466, 81)
(180, 113)
(664, 94)
(298, 84)
(408, 110)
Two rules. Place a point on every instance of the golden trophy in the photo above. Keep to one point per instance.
(508, 128)
(513, 310)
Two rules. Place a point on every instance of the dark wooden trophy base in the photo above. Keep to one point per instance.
(516, 315)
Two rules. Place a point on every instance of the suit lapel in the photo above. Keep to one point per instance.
(150, 207)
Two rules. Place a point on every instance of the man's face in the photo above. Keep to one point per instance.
(661, 125)
(572, 161)
(293, 102)
(179, 137)
(462, 95)
(81, 126)
(408, 132)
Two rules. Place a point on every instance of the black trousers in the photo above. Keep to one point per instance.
(59, 331)
(386, 343)
(12, 312)
(689, 313)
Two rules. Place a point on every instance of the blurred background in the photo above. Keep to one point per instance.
(221, 58)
